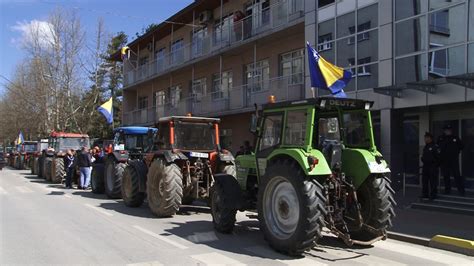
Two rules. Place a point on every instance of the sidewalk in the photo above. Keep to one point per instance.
(427, 224)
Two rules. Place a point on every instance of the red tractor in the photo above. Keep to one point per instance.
(35, 161)
(53, 157)
(180, 167)
(24, 152)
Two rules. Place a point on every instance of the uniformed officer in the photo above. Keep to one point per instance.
(430, 159)
(450, 147)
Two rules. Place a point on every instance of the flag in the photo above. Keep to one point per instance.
(325, 75)
(107, 111)
(20, 139)
(124, 52)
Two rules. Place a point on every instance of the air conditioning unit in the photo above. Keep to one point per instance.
(205, 16)
(149, 46)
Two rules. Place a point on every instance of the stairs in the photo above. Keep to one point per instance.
(447, 204)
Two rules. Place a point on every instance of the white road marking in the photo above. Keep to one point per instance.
(3, 191)
(67, 196)
(423, 253)
(266, 252)
(162, 238)
(98, 209)
(203, 237)
(147, 263)
(24, 189)
(215, 258)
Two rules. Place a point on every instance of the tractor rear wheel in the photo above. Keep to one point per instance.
(131, 195)
(223, 217)
(59, 171)
(113, 178)
(97, 178)
(377, 204)
(40, 172)
(34, 166)
(48, 165)
(291, 208)
(164, 188)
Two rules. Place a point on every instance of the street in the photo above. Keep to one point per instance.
(43, 223)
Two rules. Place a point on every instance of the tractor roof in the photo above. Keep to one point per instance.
(135, 130)
(195, 119)
(55, 134)
(323, 103)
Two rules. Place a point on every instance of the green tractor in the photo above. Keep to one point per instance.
(315, 165)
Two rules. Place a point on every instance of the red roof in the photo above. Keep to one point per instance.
(55, 134)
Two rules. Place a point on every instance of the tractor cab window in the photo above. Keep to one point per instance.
(355, 124)
(194, 136)
(72, 143)
(295, 130)
(328, 131)
(162, 139)
(271, 135)
(30, 147)
(128, 141)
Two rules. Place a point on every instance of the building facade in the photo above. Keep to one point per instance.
(413, 58)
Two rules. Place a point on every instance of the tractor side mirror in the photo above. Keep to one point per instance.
(253, 123)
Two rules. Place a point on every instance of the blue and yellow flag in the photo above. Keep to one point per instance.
(20, 139)
(124, 52)
(325, 75)
(107, 111)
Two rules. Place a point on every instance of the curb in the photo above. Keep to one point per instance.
(457, 245)
(409, 238)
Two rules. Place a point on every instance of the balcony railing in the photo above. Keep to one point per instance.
(275, 16)
(221, 102)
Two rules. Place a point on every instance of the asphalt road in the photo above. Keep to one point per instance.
(43, 223)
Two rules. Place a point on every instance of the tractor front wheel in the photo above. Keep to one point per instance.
(113, 178)
(164, 188)
(47, 168)
(377, 204)
(223, 216)
(97, 179)
(131, 195)
(59, 171)
(291, 208)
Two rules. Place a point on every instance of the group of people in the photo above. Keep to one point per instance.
(443, 154)
(83, 160)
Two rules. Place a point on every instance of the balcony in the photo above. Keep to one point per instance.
(235, 100)
(275, 17)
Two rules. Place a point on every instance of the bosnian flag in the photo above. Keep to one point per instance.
(107, 111)
(20, 139)
(325, 75)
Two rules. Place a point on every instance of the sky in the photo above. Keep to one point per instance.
(17, 16)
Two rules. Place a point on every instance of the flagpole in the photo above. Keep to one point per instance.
(313, 91)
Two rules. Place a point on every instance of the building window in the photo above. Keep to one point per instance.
(439, 22)
(220, 88)
(291, 66)
(175, 95)
(142, 102)
(160, 98)
(438, 61)
(160, 58)
(360, 37)
(177, 51)
(324, 42)
(198, 38)
(222, 30)
(198, 89)
(361, 70)
(259, 10)
(257, 76)
(322, 3)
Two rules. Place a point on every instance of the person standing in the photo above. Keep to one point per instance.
(450, 147)
(430, 159)
(84, 162)
(69, 163)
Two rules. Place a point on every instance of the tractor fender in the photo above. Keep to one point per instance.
(119, 156)
(232, 190)
(301, 157)
(173, 156)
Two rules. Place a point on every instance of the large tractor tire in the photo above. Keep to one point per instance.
(291, 208)
(113, 178)
(40, 172)
(131, 195)
(48, 165)
(21, 162)
(58, 171)
(34, 166)
(164, 188)
(223, 216)
(377, 204)
(97, 178)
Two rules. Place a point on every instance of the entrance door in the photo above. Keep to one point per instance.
(467, 136)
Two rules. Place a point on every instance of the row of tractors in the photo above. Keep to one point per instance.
(314, 165)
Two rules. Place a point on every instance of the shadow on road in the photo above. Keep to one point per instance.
(89, 194)
(56, 193)
(120, 207)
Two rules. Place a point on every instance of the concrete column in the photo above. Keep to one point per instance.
(391, 133)
(311, 25)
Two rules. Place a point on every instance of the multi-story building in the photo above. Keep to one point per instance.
(413, 58)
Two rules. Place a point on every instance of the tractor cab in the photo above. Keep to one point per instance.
(132, 142)
(60, 142)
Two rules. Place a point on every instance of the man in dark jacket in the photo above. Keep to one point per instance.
(430, 159)
(84, 163)
(450, 146)
(69, 164)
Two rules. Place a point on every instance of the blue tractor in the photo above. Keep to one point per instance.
(129, 143)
